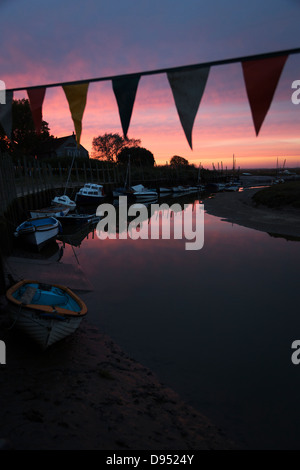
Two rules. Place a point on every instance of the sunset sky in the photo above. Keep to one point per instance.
(53, 42)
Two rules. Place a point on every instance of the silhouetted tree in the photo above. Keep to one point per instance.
(24, 139)
(138, 156)
(176, 160)
(108, 146)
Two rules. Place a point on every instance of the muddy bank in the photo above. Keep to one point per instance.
(86, 393)
(239, 208)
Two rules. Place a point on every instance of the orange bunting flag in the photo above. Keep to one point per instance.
(188, 88)
(261, 78)
(125, 91)
(6, 114)
(76, 96)
(36, 98)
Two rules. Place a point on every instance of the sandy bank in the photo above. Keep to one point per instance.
(238, 208)
(85, 393)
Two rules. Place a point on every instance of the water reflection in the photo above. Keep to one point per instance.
(216, 324)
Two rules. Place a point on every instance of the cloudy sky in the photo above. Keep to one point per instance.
(53, 42)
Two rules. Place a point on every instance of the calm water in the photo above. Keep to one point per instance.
(215, 324)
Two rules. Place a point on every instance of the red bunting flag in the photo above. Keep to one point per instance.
(76, 96)
(188, 88)
(36, 98)
(125, 89)
(6, 114)
(261, 78)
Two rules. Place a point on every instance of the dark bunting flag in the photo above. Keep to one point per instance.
(125, 89)
(188, 88)
(261, 78)
(36, 98)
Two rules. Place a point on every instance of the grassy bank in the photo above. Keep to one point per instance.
(279, 195)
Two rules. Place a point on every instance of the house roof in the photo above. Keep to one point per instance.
(54, 144)
(59, 141)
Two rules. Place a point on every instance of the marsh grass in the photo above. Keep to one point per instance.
(279, 195)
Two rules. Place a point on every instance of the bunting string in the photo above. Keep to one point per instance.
(261, 76)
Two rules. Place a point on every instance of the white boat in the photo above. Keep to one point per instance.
(90, 194)
(65, 201)
(139, 191)
(46, 313)
(53, 211)
(38, 231)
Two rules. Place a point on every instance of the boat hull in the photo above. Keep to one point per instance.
(122, 192)
(44, 331)
(78, 219)
(64, 201)
(46, 313)
(40, 239)
(50, 212)
(38, 232)
(82, 199)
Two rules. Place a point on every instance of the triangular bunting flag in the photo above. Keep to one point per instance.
(188, 88)
(261, 78)
(125, 90)
(6, 114)
(36, 98)
(76, 96)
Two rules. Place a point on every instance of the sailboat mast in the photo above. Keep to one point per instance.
(69, 175)
(129, 173)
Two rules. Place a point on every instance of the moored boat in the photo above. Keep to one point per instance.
(117, 192)
(184, 189)
(65, 201)
(139, 191)
(45, 312)
(77, 219)
(53, 211)
(38, 231)
(90, 194)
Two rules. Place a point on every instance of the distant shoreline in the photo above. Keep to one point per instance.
(238, 208)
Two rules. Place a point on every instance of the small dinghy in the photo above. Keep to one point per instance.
(46, 312)
(38, 231)
(53, 211)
